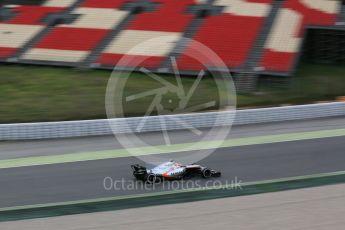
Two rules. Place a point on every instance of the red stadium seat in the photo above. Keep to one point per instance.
(32, 15)
(64, 44)
(169, 19)
(26, 23)
(232, 45)
(6, 52)
(70, 39)
(155, 46)
(74, 42)
(144, 61)
(170, 16)
(231, 35)
(104, 3)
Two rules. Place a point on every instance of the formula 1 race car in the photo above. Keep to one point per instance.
(172, 170)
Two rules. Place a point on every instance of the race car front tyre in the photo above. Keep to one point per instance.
(216, 174)
(140, 175)
(206, 173)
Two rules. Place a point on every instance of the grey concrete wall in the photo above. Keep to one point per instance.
(66, 129)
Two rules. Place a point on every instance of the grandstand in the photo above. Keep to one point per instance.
(259, 37)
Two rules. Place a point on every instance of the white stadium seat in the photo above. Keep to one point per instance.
(244, 8)
(283, 37)
(131, 38)
(16, 36)
(59, 3)
(97, 18)
(55, 55)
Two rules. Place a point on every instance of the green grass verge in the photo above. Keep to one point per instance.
(311, 83)
(172, 197)
(36, 93)
(33, 93)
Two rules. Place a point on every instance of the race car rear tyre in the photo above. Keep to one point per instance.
(206, 173)
(140, 174)
(159, 180)
(187, 176)
(151, 178)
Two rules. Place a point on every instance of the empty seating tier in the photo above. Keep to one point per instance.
(102, 32)
(19, 29)
(75, 41)
(168, 21)
(286, 36)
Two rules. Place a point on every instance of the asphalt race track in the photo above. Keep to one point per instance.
(84, 180)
